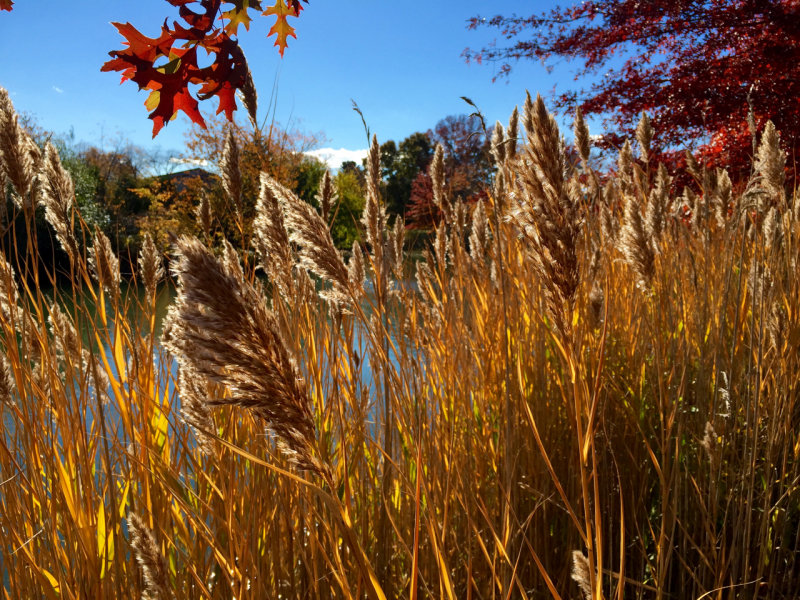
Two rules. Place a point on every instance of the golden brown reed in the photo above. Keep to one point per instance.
(56, 196)
(221, 329)
(151, 562)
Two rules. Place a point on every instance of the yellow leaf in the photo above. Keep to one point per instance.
(152, 100)
(53, 581)
(237, 16)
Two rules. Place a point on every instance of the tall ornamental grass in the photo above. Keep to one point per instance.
(587, 387)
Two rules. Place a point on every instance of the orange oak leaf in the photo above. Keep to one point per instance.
(281, 29)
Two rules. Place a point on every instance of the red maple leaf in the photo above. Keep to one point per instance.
(6, 4)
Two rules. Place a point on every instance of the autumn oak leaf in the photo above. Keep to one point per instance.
(6, 4)
(281, 29)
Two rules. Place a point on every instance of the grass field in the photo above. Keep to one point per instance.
(591, 391)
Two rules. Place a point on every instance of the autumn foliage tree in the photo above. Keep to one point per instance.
(467, 167)
(692, 65)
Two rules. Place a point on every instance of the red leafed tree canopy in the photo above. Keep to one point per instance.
(167, 64)
(692, 65)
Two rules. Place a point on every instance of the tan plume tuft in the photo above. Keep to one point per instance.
(151, 265)
(145, 549)
(15, 149)
(315, 247)
(271, 240)
(771, 162)
(582, 139)
(581, 573)
(229, 171)
(56, 195)
(644, 136)
(635, 244)
(104, 263)
(221, 329)
(326, 196)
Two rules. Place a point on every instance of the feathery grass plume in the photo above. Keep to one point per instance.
(777, 325)
(582, 141)
(644, 136)
(512, 133)
(17, 157)
(722, 197)
(326, 195)
(709, 442)
(498, 144)
(773, 229)
(9, 295)
(193, 390)
(437, 180)
(625, 167)
(499, 187)
(760, 282)
(104, 263)
(374, 215)
(545, 214)
(596, 295)
(221, 329)
(635, 245)
(69, 348)
(608, 222)
(771, 162)
(203, 214)
(396, 241)
(581, 573)
(151, 265)
(229, 171)
(355, 267)
(692, 166)
(250, 97)
(145, 549)
(657, 207)
(68, 344)
(7, 386)
(315, 248)
(690, 204)
(440, 244)
(478, 234)
(56, 195)
(271, 240)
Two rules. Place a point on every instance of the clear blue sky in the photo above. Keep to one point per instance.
(399, 60)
